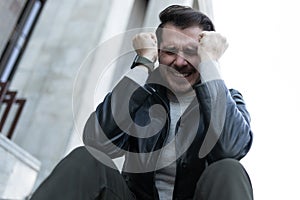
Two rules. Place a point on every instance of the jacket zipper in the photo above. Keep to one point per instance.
(167, 134)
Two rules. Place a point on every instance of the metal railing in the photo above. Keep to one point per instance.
(9, 115)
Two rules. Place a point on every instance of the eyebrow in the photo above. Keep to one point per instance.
(187, 47)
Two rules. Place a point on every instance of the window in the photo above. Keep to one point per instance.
(22, 16)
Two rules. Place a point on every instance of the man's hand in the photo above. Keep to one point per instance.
(212, 45)
(145, 44)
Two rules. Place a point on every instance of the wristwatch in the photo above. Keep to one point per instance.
(140, 60)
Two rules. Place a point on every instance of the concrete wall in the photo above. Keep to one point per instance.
(65, 33)
(60, 72)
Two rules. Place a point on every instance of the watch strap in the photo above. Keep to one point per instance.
(140, 60)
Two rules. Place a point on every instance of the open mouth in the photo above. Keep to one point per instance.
(181, 74)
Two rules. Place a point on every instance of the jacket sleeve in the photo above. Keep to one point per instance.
(227, 122)
(106, 128)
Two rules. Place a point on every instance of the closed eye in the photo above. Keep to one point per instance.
(190, 51)
(170, 51)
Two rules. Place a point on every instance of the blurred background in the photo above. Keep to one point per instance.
(53, 74)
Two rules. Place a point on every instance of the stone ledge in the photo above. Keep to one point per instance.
(21, 154)
(18, 170)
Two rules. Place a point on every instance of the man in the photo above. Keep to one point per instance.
(180, 129)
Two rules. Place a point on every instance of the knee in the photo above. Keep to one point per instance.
(84, 158)
(227, 165)
(225, 179)
(79, 152)
(78, 159)
(227, 169)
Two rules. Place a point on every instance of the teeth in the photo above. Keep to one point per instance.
(181, 75)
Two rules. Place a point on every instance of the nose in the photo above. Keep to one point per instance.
(180, 60)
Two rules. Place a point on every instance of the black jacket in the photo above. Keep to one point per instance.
(214, 126)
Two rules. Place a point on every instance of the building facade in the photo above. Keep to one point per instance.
(70, 62)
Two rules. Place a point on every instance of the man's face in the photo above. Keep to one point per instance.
(178, 57)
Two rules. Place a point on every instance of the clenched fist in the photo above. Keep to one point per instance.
(145, 44)
(212, 45)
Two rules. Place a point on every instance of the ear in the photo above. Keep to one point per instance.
(158, 54)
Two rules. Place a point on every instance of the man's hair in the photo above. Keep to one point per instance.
(183, 17)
